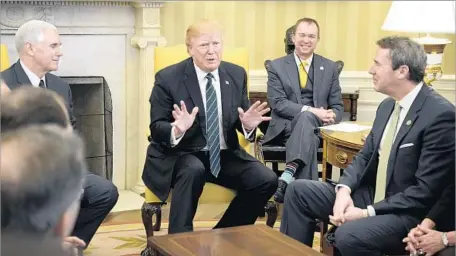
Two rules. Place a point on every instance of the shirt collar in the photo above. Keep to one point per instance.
(408, 100)
(202, 75)
(298, 62)
(34, 79)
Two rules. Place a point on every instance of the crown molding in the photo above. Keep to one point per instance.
(108, 3)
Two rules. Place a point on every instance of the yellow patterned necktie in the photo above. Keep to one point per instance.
(380, 186)
(303, 74)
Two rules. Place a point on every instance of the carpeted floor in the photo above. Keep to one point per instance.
(123, 233)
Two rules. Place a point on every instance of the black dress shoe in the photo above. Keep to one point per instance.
(280, 193)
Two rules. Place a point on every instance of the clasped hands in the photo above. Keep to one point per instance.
(423, 240)
(344, 210)
(327, 116)
(250, 119)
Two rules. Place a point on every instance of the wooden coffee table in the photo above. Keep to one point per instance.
(236, 241)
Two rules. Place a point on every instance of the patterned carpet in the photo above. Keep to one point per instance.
(123, 233)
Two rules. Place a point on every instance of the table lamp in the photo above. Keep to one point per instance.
(4, 59)
(424, 17)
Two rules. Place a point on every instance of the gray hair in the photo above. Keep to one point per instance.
(43, 167)
(31, 32)
(405, 51)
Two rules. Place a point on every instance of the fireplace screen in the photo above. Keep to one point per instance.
(93, 111)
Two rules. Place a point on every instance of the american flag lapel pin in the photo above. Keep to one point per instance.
(322, 68)
(226, 82)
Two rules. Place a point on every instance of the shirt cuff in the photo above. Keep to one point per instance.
(370, 211)
(174, 140)
(247, 134)
(305, 108)
(342, 185)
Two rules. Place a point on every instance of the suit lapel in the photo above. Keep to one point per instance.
(293, 75)
(192, 85)
(226, 95)
(408, 122)
(318, 77)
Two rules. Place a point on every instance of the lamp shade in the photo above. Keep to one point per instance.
(421, 17)
(4, 59)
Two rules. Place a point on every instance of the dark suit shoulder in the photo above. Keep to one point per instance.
(324, 60)
(9, 76)
(283, 59)
(436, 100)
(233, 68)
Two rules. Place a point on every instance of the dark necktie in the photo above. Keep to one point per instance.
(212, 126)
(42, 85)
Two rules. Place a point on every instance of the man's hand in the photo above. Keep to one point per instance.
(254, 115)
(431, 242)
(353, 213)
(412, 237)
(326, 116)
(183, 119)
(72, 243)
(343, 201)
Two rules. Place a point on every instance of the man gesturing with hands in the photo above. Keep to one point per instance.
(197, 106)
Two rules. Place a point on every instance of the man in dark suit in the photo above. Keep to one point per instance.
(436, 233)
(189, 149)
(304, 93)
(38, 44)
(399, 173)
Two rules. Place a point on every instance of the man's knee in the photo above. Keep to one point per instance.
(190, 167)
(347, 237)
(294, 189)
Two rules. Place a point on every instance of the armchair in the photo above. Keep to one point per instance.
(212, 193)
(275, 154)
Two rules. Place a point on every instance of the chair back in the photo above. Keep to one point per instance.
(4, 58)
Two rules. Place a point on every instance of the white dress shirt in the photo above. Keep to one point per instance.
(202, 80)
(307, 67)
(34, 79)
(405, 104)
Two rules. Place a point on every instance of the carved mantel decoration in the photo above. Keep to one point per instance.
(112, 39)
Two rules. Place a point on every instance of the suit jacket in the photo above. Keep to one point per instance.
(15, 77)
(179, 82)
(443, 212)
(284, 92)
(416, 173)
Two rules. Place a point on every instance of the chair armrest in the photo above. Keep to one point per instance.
(258, 146)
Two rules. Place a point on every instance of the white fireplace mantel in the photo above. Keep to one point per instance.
(112, 39)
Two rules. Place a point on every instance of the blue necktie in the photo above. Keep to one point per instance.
(212, 126)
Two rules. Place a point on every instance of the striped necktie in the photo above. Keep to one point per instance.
(388, 140)
(212, 126)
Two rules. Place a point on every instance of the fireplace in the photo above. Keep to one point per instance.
(92, 106)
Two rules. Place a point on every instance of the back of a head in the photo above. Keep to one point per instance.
(405, 51)
(29, 105)
(41, 179)
(31, 32)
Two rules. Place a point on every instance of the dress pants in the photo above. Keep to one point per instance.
(253, 182)
(308, 200)
(99, 197)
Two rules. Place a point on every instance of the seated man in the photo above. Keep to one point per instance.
(41, 183)
(393, 181)
(194, 146)
(38, 44)
(304, 93)
(424, 240)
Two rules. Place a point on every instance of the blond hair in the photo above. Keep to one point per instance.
(204, 26)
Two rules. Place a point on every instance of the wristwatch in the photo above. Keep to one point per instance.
(445, 239)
